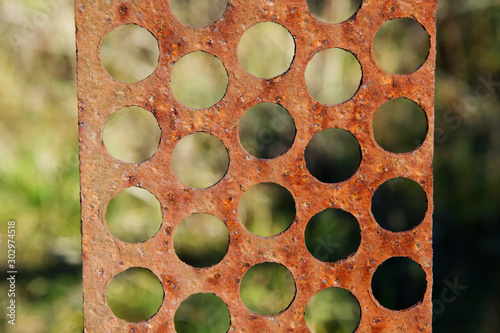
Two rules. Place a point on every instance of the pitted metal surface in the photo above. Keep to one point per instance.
(102, 176)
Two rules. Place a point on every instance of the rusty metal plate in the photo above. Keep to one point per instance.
(102, 176)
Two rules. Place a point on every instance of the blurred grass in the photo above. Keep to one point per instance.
(130, 62)
(267, 209)
(267, 288)
(333, 310)
(139, 285)
(201, 240)
(333, 76)
(266, 50)
(199, 80)
(200, 160)
(399, 125)
(267, 130)
(333, 11)
(133, 215)
(198, 13)
(39, 169)
(202, 313)
(124, 136)
(401, 46)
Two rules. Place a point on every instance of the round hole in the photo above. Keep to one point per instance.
(399, 125)
(130, 53)
(267, 130)
(267, 288)
(132, 135)
(135, 294)
(333, 76)
(333, 155)
(201, 240)
(333, 310)
(199, 80)
(198, 13)
(332, 235)
(202, 313)
(134, 215)
(267, 209)
(266, 50)
(399, 204)
(399, 283)
(200, 160)
(401, 46)
(333, 11)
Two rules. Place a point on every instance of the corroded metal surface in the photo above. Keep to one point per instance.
(102, 176)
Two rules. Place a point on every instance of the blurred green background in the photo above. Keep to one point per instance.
(39, 165)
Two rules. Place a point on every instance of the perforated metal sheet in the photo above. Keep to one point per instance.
(102, 176)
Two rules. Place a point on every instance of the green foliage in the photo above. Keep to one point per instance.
(267, 288)
(333, 310)
(201, 240)
(202, 313)
(135, 294)
(332, 235)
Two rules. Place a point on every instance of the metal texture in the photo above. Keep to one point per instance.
(102, 176)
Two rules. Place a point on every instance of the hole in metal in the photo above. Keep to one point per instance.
(130, 53)
(333, 310)
(332, 234)
(200, 160)
(201, 240)
(399, 283)
(401, 46)
(198, 13)
(266, 50)
(399, 125)
(333, 11)
(333, 76)
(202, 313)
(333, 155)
(134, 215)
(132, 135)
(199, 80)
(267, 288)
(267, 130)
(399, 204)
(267, 209)
(135, 294)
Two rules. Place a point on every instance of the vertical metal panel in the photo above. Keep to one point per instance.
(102, 176)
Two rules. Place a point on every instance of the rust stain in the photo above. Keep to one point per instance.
(123, 9)
(102, 176)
